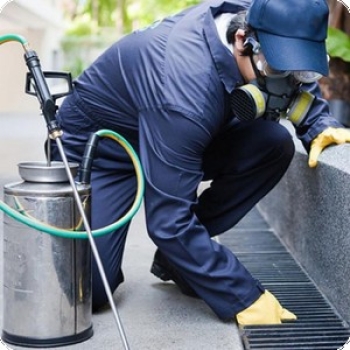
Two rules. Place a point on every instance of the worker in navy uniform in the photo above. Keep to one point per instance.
(199, 95)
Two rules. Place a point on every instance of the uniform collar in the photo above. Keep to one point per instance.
(222, 21)
(225, 62)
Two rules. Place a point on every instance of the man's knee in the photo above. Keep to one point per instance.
(278, 137)
(281, 137)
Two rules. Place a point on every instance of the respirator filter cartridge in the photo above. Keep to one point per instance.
(300, 107)
(248, 102)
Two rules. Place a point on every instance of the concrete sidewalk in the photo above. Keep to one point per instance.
(155, 315)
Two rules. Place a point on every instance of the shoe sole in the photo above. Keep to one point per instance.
(160, 272)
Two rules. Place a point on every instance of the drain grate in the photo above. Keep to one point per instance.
(319, 326)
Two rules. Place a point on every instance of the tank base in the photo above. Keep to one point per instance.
(46, 343)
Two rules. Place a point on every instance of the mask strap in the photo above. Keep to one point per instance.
(259, 77)
(254, 48)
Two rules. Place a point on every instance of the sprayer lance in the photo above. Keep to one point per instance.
(48, 105)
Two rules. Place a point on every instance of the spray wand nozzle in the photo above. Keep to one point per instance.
(48, 105)
(36, 80)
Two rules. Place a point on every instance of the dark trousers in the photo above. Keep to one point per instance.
(244, 163)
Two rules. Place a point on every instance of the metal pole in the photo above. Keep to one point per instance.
(93, 245)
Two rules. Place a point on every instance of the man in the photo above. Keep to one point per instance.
(181, 92)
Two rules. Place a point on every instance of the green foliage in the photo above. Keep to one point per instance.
(81, 26)
(101, 11)
(93, 14)
(95, 24)
(338, 44)
(144, 12)
(76, 67)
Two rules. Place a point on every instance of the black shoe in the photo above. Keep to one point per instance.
(166, 272)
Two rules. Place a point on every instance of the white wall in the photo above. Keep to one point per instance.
(41, 23)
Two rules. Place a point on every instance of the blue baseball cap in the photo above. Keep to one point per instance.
(292, 33)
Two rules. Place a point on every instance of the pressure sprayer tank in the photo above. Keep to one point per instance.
(47, 278)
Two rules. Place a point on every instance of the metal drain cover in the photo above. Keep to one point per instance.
(319, 326)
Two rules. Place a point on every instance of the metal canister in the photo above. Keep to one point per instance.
(47, 278)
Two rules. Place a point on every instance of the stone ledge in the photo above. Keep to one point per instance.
(309, 210)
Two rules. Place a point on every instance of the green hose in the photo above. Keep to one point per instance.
(33, 223)
(13, 37)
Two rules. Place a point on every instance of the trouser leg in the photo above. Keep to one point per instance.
(113, 186)
(111, 197)
(244, 164)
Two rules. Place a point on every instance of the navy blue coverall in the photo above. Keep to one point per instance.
(166, 89)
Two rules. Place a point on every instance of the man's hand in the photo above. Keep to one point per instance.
(265, 310)
(326, 138)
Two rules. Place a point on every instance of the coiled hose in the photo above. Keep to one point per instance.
(33, 223)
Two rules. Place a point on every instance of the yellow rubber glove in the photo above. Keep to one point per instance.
(265, 310)
(326, 138)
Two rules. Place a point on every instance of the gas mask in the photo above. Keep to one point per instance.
(273, 94)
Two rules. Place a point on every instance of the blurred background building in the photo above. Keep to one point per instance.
(41, 23)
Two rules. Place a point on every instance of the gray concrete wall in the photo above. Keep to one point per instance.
(310, 211)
